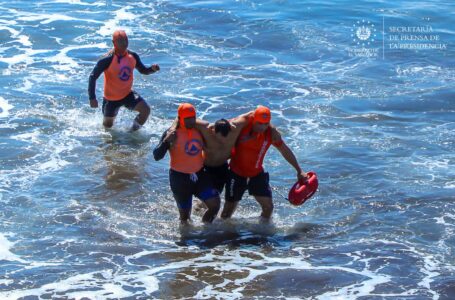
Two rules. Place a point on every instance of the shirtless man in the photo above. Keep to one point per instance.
(220, 140)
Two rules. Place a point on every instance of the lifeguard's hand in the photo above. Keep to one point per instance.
(171, 136)
(155, 68)
(302, 177)
(93, 103)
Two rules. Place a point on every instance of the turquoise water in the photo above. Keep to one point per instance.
(86, 212)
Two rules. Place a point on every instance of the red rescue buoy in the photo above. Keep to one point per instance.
(300, 192)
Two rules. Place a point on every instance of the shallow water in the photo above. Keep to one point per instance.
(86, 212)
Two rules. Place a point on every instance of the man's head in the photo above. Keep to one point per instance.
(261, 119)
(187, 115)
(222, 128)
(120, 41)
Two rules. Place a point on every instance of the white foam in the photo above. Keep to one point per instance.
(49, 159)
(358, 289)
(441, 220)
(5, 107)
(23, 58)
(176, 96)
(25, 40)
(78, 2)
(50, 18)
(256, 264)
(28, 84)
(62, 62)
(6, 281)
(57, 17)
(38, 17)
(429, 269)
(32, 137)
(248, 265)
(53, 164)
(95, 285)
(8, 22)
(19, 58)
(305, 92)
(14, 33)
(5, 253)
(419, 70)
(432, 163)
(110, 26)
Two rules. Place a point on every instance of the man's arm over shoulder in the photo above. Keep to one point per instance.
(241, 121)
(204, 128)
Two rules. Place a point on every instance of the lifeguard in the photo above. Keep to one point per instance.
(187, 175)
(118, 66)
(246, 165)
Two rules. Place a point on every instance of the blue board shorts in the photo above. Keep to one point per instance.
(184, 186)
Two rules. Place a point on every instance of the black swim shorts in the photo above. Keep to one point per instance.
(219, 176)
(237, 185)
(111, 108)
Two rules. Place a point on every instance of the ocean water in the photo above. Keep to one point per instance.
(363, 99)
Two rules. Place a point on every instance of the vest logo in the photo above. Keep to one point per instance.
(193, 147)
(125, 73)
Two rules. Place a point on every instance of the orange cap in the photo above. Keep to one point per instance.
(185, 110)
(262, 115)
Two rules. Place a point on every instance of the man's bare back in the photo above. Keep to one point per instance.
(217, 147)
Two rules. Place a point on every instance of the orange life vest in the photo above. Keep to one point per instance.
(186, 153)
(250, 150)
(118, 78)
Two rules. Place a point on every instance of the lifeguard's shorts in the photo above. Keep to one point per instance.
(184, 186)
(237, 185)
(111, 108)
